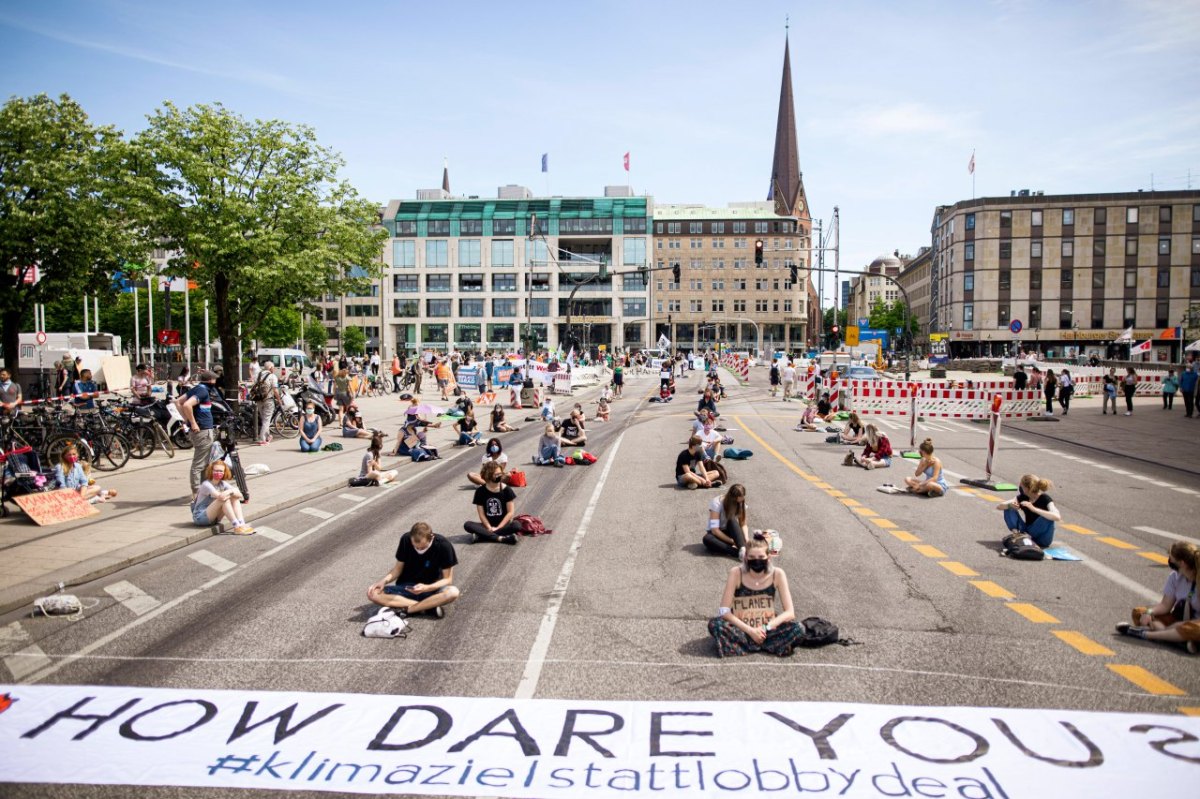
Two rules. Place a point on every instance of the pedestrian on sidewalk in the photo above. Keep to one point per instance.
(423, 575)
(1110, 392)
(310, 429)
(1187, 386)
(1066, 390)
(1170, 385)
(496, 505)
(218, 499)
(341, 391)
(789, 381)
(1176, 617)
(265, 391)
(196, 409)
(747, 620)
(1129, 386)
(1049, 387)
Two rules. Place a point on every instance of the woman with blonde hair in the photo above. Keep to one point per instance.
(71, 473)
(747, 620)
(1176, 617)
(1033, 511)
(928, 479)
(877, 452)
(218, 499)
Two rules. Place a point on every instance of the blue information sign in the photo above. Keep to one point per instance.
(1015, 326)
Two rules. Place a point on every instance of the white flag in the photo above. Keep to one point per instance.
(571, 355)
(1138, 349)
(971, 164)
(663, 341)
(1126, 336)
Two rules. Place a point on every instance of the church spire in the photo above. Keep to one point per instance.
(787, 185)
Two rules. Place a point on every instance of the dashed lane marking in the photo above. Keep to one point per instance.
(1157, 557)
(1189, 711)
(350, 497)
(833, 492)
(132, 597)
(1116, 542)
(1082, 643)
(1032, 612)
(275, 535)
(929, 551)
(1075, 528)
(823, 485)
(904, 535)
(992, 589)
(850, 503)
(320, 514)
(212, 560)
(864, 512)
(886, 524)
(1146, 681)
(1167, 534)
(960, 569)
(25, 662)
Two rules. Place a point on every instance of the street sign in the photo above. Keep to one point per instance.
(852, 335)
(1015, 326)
(864, 322)
(40, 337)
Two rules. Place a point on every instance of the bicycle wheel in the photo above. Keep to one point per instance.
(285, 424)
(180, 438)
(112, 451)
(239, 475)
(141, 441)
(163, 439)
(58, 444)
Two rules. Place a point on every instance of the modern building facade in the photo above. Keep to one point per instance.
(1065, 273)
(473, 273)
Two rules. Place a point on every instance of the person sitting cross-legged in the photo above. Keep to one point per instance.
(423, 575)
(495, 503)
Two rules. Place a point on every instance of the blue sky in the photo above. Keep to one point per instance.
(891, 97)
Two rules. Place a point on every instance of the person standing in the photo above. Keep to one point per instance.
(63, 379)
(774, 378)
(265, 391)
(1170, 385)
(397, 370)
(341, 391)
(1187, 386)
(1129, 386)
(1110, 392)
(1049, 388)
(1020, 379)
(196, 408)
(140, 385)
(443, 373)
(375, 362)
(789, 381)
(10, 394)
(85, 392)
(1066, 390)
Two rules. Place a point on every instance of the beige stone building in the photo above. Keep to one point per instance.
(914, 277)
(867, 288)
(1067, 272)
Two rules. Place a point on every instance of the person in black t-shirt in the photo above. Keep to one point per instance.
(1020, 379)
(572, 432)
(689, 467)
(1033, 511)
(495, 504)
(423, 574)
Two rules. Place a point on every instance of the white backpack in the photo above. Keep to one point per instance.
(386, 624)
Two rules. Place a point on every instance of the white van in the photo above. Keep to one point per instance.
(292, 360)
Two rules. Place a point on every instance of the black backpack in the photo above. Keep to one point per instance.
(1019, 546)
(818, 632)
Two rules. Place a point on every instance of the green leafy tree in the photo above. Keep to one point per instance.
(354, 340)
(315, 335)
(280, 328)
(65, 208)
(259, 209)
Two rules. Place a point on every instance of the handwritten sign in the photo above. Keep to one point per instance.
(755, 610)
(53, 507)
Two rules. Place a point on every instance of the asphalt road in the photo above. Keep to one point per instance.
(940, 618)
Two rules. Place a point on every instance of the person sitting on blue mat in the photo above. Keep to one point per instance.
(1033, 511)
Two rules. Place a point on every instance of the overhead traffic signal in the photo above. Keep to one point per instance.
(834, 330)
(758, 251)
(795, 270)
(675, 273)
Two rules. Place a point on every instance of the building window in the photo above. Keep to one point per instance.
(674, 306)
(1161, 313)
(1131, 278)
(1130, 314)
(1035, 249)
(695, 227)
(1164, 214)
(1196, 243)
(695, 306)
(634, 251)
(970, 222)
(968, 317)
(507, 227)
(762, 227)
(658, 228)
(1097, 315)
(739, 227)
(1196, 277)
(695, 263)
(1067, 278)
(537, 282)
(633, 282)
(1002, 315)
(404, 254)
(969, 251)
(739, 263)
(408, 309)
(504, 282)
(437, 227)
(739, 306)
(1131, 246)
(439, 308)
(1164, 245)
(505, 307)
(437, 253)
(1101, 217)
(470, 227)
(1164, 278)
(470, 282)
(1065, 318)
(633, 308)
(718, 227)
(718, 306)
(470, 308)
(1035, 315)
(1005, 219)
(1005, 280)
(468, 253)
(538, 306)
(404, 284)
(1068, 216)
(739, 284)
(1097, 280)
(502, 253)
(695, 244)
(1131, 215)
(1035, 218)
(1068, 248)
(1196, 213)
(718, 284)
(405, 227)
(1099, 247)
(969, 281)
(1005, 249)
(1035, 279)
(437, 282)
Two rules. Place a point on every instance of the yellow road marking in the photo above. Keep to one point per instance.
(865, 512)
(1189, 711)
(1116, 542)
(836, 493)
(884, 523)
(850, 503)
(904, 535)
(774, 451)
(810, 477)
(1154, 556)
(988, 497)
(1146, 681)
(823, 485)
(1082, 643)
(1081, 530)
(1032, 613)
(961, 569)
(992, 589)
(929, 551)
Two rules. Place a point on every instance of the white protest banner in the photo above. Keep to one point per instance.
(465, 376)
(451, 746)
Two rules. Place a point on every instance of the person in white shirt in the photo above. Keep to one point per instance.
(255, 368)
(789, 381)
(492, 453)
(1176, 617)
(218, 499)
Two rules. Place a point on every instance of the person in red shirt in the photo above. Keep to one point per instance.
(878, 451)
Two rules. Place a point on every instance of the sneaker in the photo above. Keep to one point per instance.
(438, 612)
(1129, 413)
(244, 529)
(510, 539)
(1125, 628)
(1192, 647)
(741, 553)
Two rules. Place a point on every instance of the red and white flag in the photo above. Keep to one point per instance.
(971, 164)
(626, 162)
(1139, 349)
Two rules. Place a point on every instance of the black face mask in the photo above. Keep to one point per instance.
(757, 565)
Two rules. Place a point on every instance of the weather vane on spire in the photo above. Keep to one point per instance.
(786, 24)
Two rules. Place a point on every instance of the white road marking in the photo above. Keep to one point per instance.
(1183, 490)
(320, 514)
(350, 497)
(1121, 471)
(938, 427)
(273, 534)
(1144, 478)
(527, 688)
(212, 560)
(27, 661)
(11, 636)
(132, 597)
(1115, 576)
(1167, 534)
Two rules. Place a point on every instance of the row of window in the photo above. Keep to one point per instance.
(719, 244)
(737, 263)
(1067, 279)
(718, 228)
(503, 253)
(1067, 248)
(408, 284)
(508, 308)
(1099, 216)
(509, 227)
(1066, 320)
(718, 306)
(735, 284)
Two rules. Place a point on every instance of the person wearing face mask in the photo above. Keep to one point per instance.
(310, 429)
(10, 395)
(70, 473)
(573, 433)
(493, 453)
(496, 506)
(1176, 617)
(219, 499)
(423, 575)
(747, 620)
(710, 440)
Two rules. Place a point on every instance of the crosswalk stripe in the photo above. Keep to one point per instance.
(275, 535)
(132, 597)
(26, 662)
(350, 497)
(12, 636)
(320, 514)
(212, 560)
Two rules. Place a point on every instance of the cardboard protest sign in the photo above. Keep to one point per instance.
(54, 507)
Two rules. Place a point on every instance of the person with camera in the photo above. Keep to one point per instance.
(1176, 617)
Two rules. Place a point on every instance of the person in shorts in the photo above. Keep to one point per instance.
(1176, 617)
(422, 579)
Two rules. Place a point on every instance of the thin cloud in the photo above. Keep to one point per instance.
(896, 120)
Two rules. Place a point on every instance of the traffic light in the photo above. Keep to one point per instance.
(644, 271)
(758, 251)
(675, 273)
(795, 274)
(603, 270)
(834, 330)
